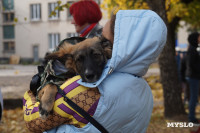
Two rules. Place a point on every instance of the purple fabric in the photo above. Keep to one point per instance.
(93, 108)
(71, 112)
(70, 87)
(58, 95)
(67, 89)
(35, 109)
(24, 102)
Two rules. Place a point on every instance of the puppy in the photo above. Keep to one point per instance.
(86, 58)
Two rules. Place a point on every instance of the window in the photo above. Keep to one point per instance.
(72, 34)
(54, 39)
(8, 32)
(8, 17)
(9, 47)
(52, 6)
(35, 12)
(69, 16)
(8, 4)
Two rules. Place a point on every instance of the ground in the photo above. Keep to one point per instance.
(19, 83)
(17, 78)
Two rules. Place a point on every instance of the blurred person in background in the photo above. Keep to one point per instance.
(86, 16)
(121, 85)
(184, 83)
(193, 73)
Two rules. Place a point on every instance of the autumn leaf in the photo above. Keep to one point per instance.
(59, 2)
(67, 5)
(53, 13)
(60, 8)
(15, 20)
(56, 8)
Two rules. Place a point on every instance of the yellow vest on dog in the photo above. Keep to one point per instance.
(86, 98)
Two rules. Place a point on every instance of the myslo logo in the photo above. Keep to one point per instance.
(179, 124)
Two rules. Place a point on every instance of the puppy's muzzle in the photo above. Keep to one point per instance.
(90, 76)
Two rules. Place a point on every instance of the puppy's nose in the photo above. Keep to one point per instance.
(89, 75)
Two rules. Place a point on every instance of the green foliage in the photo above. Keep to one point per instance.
(186, 11)
(15, 20)
(59, 8)
(112, 6)
(193, 17)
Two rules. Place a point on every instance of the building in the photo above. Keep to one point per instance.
(27, 30)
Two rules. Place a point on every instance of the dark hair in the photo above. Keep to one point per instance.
(112, 24)
(86, 11)
(193, 39)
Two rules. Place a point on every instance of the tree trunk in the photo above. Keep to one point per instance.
(168, 69)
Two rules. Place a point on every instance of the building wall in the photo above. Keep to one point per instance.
(29, 33)
(35, 33)
(1, 31)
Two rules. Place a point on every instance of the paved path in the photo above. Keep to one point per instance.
(22, 70)
(15, 79)
(17, 70)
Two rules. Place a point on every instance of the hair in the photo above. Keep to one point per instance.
(193, 39)
(112, 24)
(85, 11)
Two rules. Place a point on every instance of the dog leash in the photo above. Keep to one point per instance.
(82, 112)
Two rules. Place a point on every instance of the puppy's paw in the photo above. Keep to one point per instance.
(44, 113)
(47, 99)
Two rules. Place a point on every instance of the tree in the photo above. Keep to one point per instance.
(171, 11)
(168, 69)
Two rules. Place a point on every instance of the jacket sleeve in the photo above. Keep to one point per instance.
(194, 62)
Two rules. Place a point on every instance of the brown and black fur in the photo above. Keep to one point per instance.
(86, 58)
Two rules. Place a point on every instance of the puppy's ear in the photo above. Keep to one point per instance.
(108, 50)
(70, 64)
(54, 55)
(107, 47)
(64, 51)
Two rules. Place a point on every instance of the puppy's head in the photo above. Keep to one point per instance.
(86, 58)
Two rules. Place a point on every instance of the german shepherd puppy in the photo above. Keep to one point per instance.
(86, 58)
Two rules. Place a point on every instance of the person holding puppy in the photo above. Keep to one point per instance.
(126, 101)
(86, 16)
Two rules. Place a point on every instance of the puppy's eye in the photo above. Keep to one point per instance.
(67, 56)
(97, 55)
(79, 58)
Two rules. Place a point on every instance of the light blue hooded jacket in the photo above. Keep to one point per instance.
(126, 101)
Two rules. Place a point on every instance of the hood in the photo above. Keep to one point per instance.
(140, 36)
